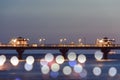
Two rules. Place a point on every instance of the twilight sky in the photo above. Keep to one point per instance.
(54, 19)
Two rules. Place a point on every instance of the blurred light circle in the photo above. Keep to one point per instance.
(67, 70)
(54, 74)
(78, 68)
(60, 59)
(71, 56)
(83, 74)
(98, 55)
(112, 71)
(30, 60)
(14, 60)
(2, 60)
(43, 62)
(17, 79)
(97, 71)
(55, 67)
(28, 67)
(72, 63)
(45, 69)
(82, 58)
(49, 57)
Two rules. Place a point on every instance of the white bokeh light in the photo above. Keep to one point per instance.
(55, 67)
(78, 68)
(82, 58)
(49, 57)
(30, 60)
(45, 69)
(112, 71)
(83, 74)
(67, 70)
(60, 59)
(71, 56)
(97, 71)
(2, 60)
(14, 60)
(43, 62)
(98, 55)
(28, 67)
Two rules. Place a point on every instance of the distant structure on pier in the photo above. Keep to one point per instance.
(20, 41)
(105, 42)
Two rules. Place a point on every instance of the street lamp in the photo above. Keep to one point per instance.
(42, 41)
(62, 41)
(79, 40)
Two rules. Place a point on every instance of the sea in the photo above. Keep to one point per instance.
(40, 69)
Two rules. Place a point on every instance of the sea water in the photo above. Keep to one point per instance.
(92, 69)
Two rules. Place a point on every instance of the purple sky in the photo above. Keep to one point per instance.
(55, 19)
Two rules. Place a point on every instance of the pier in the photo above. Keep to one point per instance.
(21, 44)
(62, 48)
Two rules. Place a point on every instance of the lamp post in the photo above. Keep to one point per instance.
(79, 40)
(42, 41)
(62, 41)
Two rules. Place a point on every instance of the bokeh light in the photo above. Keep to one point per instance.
(55, 67)
(45, 69)
(82, 58)
(2, 60)
(71, 56)
(97, 71)
(72, 63)
(54, 74)
(18, 79)
(112, 71)
(14, 60)
(60, 59)
(30, 60)
(43, 62)
(49, 57)
(98, 55)
(83, 74)
(67, 70)
(28, 67)
(78, 68)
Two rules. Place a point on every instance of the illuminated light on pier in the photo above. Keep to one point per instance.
(14, 60)
(78, 68)
(20, 41)
(97, 71)
(45, 69)
(55, 67)
(98, 55)
(28, 67)
(49, 57)
(30, 60)
(71, 56)
(112, 71)
(67, 70)
(43, 62)
(2, 60)
(60, 59)
(83, 74)
(81, 58)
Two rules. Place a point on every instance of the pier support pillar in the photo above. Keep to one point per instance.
(20, 52)
(105, 52)
(64, 52)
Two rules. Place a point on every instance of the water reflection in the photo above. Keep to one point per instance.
(41, 69)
